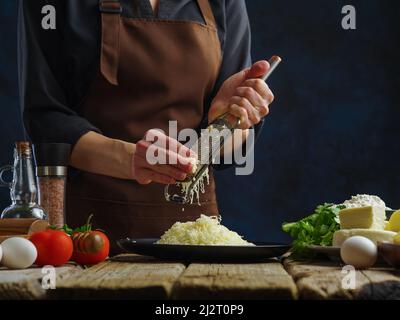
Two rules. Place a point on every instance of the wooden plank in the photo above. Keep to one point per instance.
(126, 277)
(329, 286)
(299, 269)
(26, 284)
(235, 281)
(384, 284)
(323, 280)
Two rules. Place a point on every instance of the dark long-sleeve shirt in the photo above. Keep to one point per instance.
(57, 66)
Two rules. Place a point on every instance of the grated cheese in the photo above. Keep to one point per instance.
(365, 200)
(199, 187)
(204, 231)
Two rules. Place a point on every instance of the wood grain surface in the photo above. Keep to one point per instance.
(235, 281)
(27, 284)
(138, 277)
(126, 277)
(324, 280)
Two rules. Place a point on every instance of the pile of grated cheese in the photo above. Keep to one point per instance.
(204, 231)
(364, 200)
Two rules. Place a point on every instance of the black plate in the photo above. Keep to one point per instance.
(330, 252)
(148, 247)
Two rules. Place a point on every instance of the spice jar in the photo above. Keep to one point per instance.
(51, 171)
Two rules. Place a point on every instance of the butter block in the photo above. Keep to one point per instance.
(374, 235)
(363, 217)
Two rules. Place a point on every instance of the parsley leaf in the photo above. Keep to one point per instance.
(315, 229)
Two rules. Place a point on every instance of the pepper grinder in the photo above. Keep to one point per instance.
(51, 170)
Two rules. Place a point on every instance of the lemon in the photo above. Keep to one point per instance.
(394, 222)
(387, 226)
(396, 239)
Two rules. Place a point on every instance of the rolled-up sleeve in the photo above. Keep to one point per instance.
(42, 71)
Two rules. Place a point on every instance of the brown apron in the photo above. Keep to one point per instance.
(151, 71)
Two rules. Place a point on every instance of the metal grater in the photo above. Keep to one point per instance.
(222, 128)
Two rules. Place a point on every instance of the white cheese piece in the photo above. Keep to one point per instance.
(364, 218)
(194, 162)
(374, 235)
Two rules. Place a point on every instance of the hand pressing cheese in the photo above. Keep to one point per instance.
(363, 218)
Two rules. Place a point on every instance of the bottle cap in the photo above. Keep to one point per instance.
(23, 148)
(52, 154)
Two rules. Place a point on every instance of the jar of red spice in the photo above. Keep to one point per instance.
(51, 170)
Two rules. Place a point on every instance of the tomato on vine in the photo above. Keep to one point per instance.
(90, 246)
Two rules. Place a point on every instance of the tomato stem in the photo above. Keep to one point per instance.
(89, 223)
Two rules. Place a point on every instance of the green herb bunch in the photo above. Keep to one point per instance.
(315, 229)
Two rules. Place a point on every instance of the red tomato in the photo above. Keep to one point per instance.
(54, 247)
(90, 247)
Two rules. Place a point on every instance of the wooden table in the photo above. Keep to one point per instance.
(137, 277)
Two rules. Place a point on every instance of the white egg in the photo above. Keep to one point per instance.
(18, 253)
(359, 252)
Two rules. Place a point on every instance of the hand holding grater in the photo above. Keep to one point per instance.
(208, 151)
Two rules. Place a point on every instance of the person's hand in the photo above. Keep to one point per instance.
(178, 159)
(244, 96)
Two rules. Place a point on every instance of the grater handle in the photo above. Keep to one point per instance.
(183, 198)
(273, 63)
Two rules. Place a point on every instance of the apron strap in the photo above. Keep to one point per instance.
(110, 23)
(207, 13)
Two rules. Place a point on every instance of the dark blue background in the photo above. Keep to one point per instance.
(333, 129)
